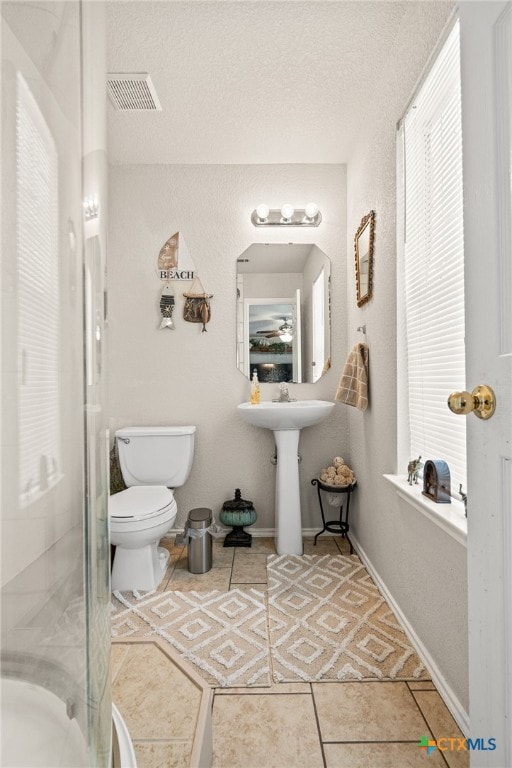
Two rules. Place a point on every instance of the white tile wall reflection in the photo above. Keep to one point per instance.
(45, 506)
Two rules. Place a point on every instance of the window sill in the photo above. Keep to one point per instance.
(29, 498)
(449, 517)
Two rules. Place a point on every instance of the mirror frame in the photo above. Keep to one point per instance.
(367, 226)
(312, 263)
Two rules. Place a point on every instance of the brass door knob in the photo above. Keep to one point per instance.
(481, 401)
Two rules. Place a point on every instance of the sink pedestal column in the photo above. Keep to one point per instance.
(286, 420)
(288, 515)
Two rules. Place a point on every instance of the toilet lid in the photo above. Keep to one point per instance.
(140, 501)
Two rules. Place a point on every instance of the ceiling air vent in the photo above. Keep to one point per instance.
(130, 92)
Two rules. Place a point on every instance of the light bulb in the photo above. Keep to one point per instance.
(262, 211)
(287, 211)
(286, 337)
(311, 210)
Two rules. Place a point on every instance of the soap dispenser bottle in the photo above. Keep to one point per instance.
(255, 388)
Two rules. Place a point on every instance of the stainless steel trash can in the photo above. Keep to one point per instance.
(199, 550)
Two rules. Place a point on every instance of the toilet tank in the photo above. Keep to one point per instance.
(155, 455)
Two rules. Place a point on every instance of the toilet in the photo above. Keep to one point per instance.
(154, 461)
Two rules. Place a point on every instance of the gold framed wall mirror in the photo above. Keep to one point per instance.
(283, 312)
(363, 246)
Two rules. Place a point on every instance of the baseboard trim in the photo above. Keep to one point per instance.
(451, 700)
(259, 532)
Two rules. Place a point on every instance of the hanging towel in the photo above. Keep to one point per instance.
(116, 476)
(353, 386)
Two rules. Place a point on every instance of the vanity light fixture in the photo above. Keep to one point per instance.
(287, 212)
(262, 212)
(287, 216)
(311, 211)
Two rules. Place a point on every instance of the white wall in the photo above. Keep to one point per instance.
(312, 270)
(278, 285)
(188, 377)
(423, 568)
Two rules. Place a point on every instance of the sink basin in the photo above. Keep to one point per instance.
(286, 420)
(295, 415)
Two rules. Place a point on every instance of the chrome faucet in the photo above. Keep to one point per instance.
(284, 395)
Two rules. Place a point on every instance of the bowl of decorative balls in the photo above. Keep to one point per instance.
(338, 473)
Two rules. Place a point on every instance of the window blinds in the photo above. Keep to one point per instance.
(38, 298)
(434, 263)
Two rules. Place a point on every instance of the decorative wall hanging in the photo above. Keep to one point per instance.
(168, 256)
(436, 481)
(167, 308)
(174, 260)
(363, 246)
(197, 305)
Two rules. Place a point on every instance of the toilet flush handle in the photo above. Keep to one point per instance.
(124, 439)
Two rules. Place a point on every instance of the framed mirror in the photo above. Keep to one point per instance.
(283, 312)
(363, 244)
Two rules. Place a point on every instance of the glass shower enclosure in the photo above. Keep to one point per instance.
(55, 592)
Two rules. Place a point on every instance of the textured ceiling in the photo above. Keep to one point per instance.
(258, 81)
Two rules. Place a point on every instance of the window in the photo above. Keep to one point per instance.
(38, 298)
(430, 158)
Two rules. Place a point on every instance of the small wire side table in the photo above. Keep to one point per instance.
(335, 526)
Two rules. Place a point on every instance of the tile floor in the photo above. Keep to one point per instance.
(303, 725)
(161, 728)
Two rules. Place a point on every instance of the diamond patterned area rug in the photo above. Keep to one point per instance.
(328, 621)
(223, 634)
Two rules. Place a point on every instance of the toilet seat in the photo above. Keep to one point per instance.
(141, 503)
(139, 517)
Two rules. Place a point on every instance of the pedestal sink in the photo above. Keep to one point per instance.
(286, 420)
